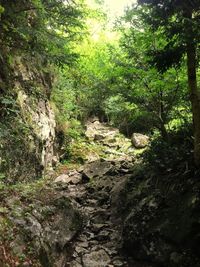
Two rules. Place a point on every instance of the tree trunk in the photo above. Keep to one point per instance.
(195, 98)
(162, 120)
(163, 131)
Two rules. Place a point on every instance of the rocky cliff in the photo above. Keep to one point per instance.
(27, 123)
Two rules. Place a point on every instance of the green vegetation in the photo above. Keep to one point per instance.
(141, 75)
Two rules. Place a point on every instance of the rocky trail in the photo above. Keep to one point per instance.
(96, 214)
(94, 189)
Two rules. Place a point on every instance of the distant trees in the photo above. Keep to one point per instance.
(156, 94)
(115, 79)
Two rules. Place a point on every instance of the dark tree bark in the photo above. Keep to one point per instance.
(195, 98)
(162, 119)
(192, 83)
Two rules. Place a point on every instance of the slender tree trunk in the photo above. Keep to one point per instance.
(195, 98)
(163, 129)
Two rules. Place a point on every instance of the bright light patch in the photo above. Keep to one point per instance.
(116, 7)
(113, 9)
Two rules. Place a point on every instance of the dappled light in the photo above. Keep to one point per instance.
(99, 133)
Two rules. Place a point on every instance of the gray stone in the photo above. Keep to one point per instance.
(139, 140)
(75, 264)
(50, 226)
(42, 122)
(103, 235)
(80, 250)
(96, 259)
(96, 227)
(72, 178)
(92, 156)
(63, 178)
(116, 201)
(83, 244)
(118, 263)
(96, 169)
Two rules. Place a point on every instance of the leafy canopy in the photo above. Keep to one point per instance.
(43, 27)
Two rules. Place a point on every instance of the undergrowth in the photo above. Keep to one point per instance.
(165, 155)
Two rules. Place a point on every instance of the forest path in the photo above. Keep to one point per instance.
(94, 188)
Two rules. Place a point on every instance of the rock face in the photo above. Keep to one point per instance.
(139, 140)
(28, 138)
(44, 228)
(40, 117)
(158, 218)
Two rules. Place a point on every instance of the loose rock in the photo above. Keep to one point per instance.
(96, 259)
(139, 140)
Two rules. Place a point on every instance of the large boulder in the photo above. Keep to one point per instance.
(139, 140)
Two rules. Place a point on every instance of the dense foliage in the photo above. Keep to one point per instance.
(44, 28)
(178, 21)
(123, 86)
(62, 57)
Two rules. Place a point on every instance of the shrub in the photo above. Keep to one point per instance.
(163, 155)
